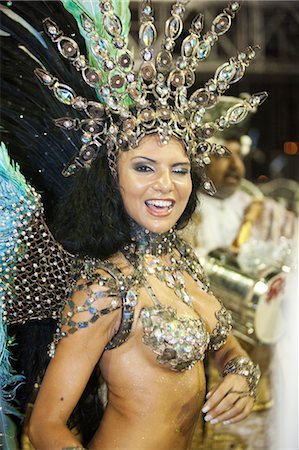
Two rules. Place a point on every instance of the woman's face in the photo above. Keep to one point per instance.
(155, 182)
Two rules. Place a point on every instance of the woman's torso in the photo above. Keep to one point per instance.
(149, 405)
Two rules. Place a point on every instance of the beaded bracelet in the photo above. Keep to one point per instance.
(245, 367)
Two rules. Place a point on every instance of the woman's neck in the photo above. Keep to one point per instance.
(144, 241)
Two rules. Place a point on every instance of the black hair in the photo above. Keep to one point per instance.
(91, 219)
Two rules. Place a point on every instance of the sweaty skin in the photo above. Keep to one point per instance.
(149, 406)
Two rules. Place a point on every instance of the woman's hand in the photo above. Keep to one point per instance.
(229, 401)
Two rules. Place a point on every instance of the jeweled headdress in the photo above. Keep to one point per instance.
(154, 98)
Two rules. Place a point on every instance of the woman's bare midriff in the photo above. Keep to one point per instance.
(149, 406)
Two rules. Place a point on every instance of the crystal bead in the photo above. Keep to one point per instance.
(162, 90)
(131, 298)
(45, 77)
(221, 24)
(203, 50)
(118, 42)
(64, 94)
(147, 34)
(147, 10)
(51, 28)
(173, 27)
(186, 298)
(80, 62)
(134, 91)
(147, 55)
(189, 78)
(112, 25)
(86, 138)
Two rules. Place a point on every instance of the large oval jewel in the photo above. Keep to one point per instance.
(236, 113)
(95, 110)
(65, 122)
(99, 47)
(176, 78)
(221, 24)
(147, 34)
(225, 73)
(68, 48)
(131, 298)
(146, 115)
(88, 152)
(125, 61)
(91, 76)
(112, 24)
(148, 72)
(189, 46)
(203, 50)
(200, 97)
(173, 27)
(64, 94)
(163, 60)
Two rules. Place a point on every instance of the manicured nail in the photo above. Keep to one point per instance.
(205, 409)
(208, 417)
(226, 422)
(213, 421)
(208, 394)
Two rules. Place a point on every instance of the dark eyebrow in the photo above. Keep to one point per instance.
(183, 163)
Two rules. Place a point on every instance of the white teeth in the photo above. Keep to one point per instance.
(160, 203)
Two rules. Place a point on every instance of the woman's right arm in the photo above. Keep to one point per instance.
(68, 373)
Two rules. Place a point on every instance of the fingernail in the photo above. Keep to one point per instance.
(213, 421)
(226, 422)
(208, 417)
(205, 409)
(208, 395)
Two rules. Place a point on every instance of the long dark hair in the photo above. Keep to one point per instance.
(91, 219)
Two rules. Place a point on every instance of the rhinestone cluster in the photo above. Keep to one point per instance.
(178, 341)
(153, 99)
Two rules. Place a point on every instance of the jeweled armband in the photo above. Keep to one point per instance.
(245, 367)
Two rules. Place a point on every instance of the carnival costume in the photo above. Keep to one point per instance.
(122, 106)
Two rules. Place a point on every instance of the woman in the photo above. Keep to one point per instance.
(144, 315)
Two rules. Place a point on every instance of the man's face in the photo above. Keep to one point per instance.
(227, 172)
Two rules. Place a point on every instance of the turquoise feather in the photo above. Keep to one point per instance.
(13, 188)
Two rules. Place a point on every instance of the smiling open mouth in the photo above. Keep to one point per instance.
(160, 204)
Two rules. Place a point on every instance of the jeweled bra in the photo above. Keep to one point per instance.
(179, 341)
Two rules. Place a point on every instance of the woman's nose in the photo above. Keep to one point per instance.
(164, 182)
